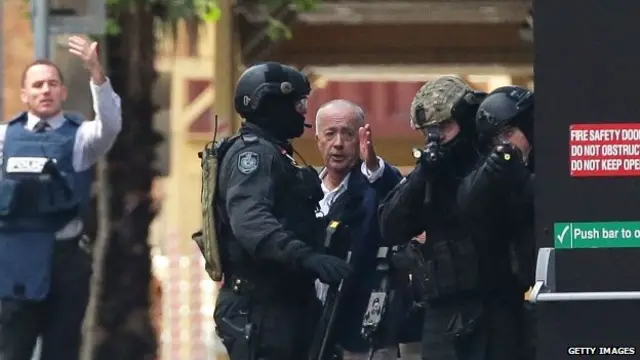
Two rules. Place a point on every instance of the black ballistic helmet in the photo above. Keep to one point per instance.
(268, 80)
(505, 107)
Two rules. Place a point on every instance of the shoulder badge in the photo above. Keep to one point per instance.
(247, 162)
(249, 138)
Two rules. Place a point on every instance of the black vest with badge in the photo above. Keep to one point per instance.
(297, 196)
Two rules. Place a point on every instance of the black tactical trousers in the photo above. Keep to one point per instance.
(57, 319)
(475, 329)
(262, 328)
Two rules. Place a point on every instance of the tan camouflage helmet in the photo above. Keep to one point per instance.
(437, 97)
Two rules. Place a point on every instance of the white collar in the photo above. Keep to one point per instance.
(343, 184)
(55, 121)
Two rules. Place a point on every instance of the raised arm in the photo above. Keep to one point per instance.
(95, 138)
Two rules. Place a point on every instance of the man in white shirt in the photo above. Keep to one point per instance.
(45, 183)
(354, 180)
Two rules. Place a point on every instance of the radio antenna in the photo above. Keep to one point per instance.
(215, 127)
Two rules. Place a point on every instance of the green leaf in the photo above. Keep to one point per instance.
(206, 10)
(278, 30)
(306, 5)
(112, 28)
(212, 14)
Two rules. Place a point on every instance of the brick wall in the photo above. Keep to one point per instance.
(18, 51)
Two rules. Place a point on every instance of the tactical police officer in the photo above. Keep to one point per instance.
(45, 185)
(426, 200)
(269, 236)
(497, 201)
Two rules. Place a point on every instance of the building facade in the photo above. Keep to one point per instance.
(17, 51)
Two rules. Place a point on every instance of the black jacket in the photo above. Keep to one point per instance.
(498, 209)
(404, 213)
(358, 206)
(266, 208)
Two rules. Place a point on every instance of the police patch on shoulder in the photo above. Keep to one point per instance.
(247, 162)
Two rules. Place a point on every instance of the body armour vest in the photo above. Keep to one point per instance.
(40, 192)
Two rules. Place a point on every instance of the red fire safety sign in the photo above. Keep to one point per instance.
(604, 150)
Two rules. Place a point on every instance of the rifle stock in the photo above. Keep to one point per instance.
(322, 345)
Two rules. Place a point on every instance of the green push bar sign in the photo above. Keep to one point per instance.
(585, 235)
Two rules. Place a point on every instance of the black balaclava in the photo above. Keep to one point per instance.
(462, 147)
(279, 118)
(464, 113)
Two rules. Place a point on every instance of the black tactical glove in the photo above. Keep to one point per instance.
(329, 269)
(504, 160)
(430, 159)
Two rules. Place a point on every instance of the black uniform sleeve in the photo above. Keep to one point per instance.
(478, 191)
(401, 214)
(482, 191)
(252, 172)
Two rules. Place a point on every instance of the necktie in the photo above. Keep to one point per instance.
(41, 126)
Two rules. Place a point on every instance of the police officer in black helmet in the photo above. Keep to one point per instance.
(506, 115)
(497, 202)
(266, 225)
(504, 124)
